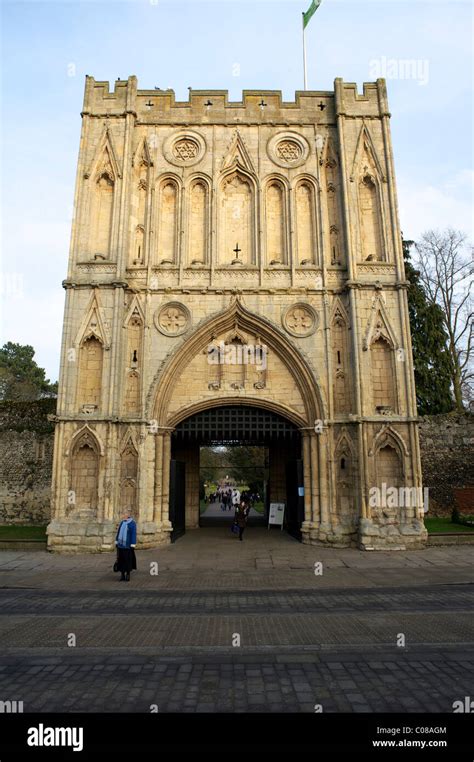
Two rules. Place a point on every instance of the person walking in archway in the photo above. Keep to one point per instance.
(241, 515)
(126, 541)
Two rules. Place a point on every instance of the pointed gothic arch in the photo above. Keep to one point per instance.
(388, 435)
(86, 434)
(370, 212)
(140, 204)
(276, 220)
(345, 469)
(161, 390)
(367, 169)
(134, 325)
(105, 155)
(169, 213)
(237, 212)
(198, 196)
(341, 366)
(83, 452)
(305, 194)
(237, 156)
(142, 153)
(333, 206)
(129, 467)
(93, 323)
(379, 324)
(101, 214)
(102, 174)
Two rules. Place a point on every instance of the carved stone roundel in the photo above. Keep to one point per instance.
(184, 148)
(172, 319)
(288, 149)
(300, 320)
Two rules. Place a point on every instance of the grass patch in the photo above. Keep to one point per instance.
(11, 532)
(444, 524)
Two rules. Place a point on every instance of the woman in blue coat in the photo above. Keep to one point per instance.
(126, 541)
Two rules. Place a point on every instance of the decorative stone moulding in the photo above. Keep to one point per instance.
(288, 149)
(96, 267)
(172, 319)
(184, 148)
(300, 320)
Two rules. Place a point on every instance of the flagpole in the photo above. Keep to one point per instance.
(304, 56)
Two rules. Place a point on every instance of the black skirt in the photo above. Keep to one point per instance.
(126, 559)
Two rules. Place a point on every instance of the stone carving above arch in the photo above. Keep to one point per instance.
(300, 320)
(184, 148)
(189, 357)
(172, 319)
(288, 149)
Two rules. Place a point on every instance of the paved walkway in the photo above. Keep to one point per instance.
(215, 511)
(229, 627)
(213, 558)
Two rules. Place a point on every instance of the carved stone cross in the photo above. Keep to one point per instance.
(173, 320)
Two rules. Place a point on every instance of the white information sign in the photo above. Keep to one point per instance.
(276, 514)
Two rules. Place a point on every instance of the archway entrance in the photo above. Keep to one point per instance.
(228, 473)
(231, 426)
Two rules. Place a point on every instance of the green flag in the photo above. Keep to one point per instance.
(310, 12)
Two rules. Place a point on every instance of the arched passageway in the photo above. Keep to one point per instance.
(229, 426)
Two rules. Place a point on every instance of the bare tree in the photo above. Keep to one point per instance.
(446, 269)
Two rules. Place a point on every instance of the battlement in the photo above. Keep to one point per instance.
(214, 106)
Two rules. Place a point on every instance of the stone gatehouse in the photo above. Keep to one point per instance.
(258, 229)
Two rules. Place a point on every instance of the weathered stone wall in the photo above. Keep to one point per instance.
(447, 460)
(26, 457)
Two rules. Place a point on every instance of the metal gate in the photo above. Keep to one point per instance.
(233, 424)
(177, 509)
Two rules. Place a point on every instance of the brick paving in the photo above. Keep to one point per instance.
(304, 639)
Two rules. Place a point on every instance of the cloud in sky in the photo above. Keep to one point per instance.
(47, 48)
(423, 206)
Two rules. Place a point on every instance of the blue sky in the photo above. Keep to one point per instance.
(48, 48)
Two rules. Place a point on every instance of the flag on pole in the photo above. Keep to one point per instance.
(310, 12)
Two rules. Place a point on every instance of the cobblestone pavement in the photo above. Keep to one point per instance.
(305, 639)
(390, 681)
